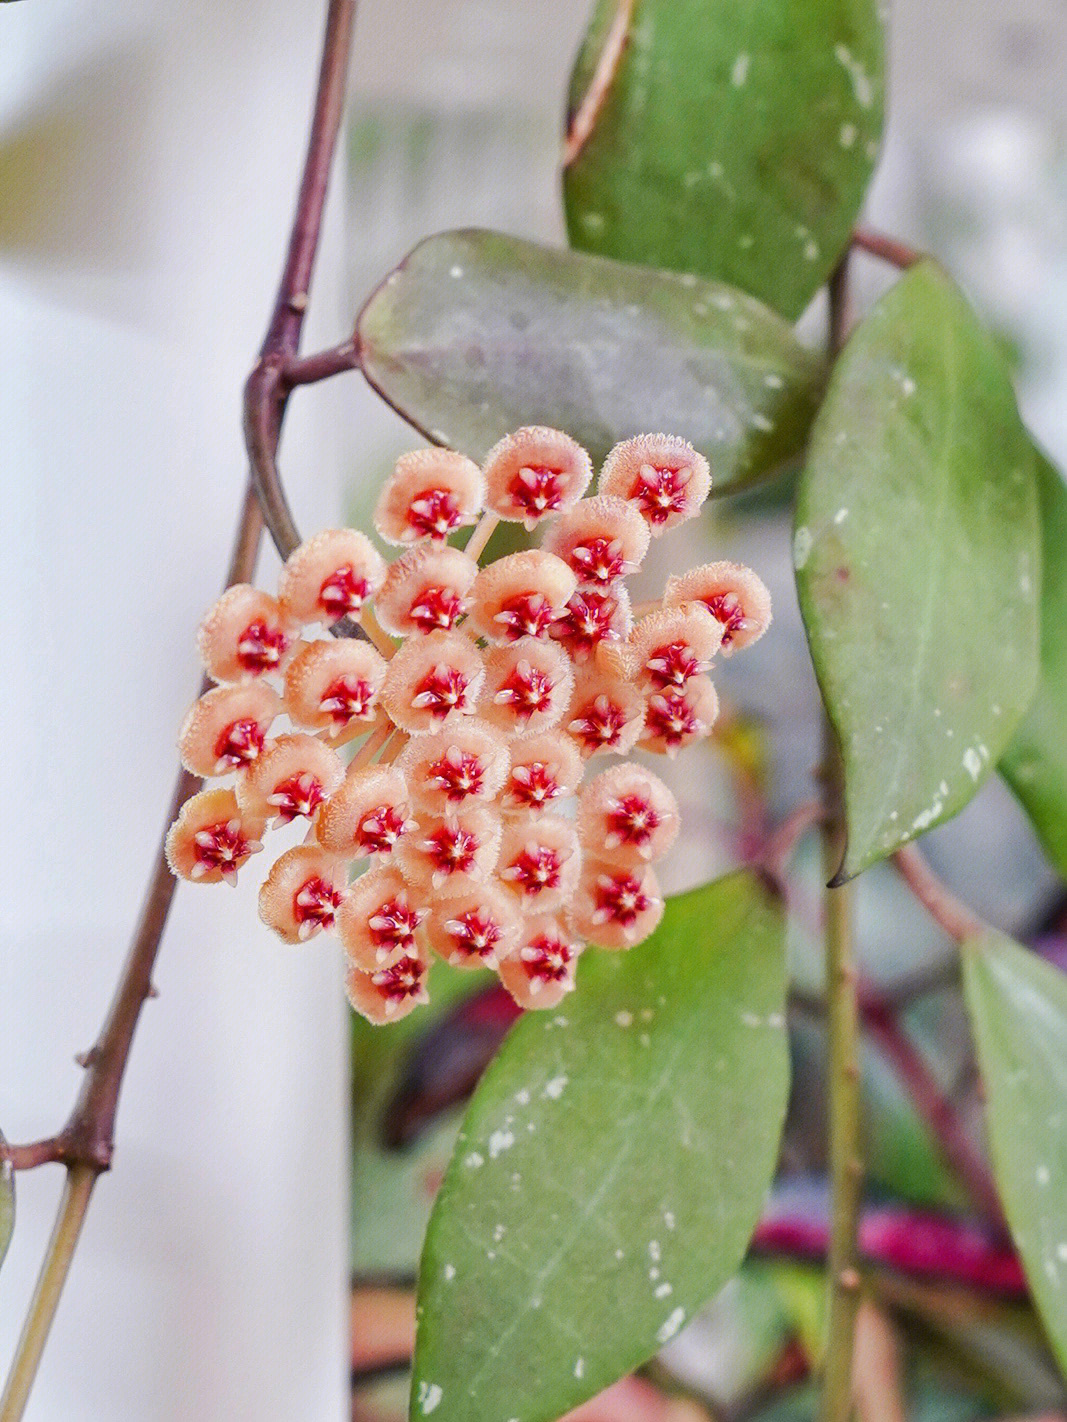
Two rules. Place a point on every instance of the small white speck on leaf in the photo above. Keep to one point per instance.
(474, 1160)
(664, 1291)
(554, 1089)
(499, 1142)
(972, 763)
(624, 1019)
(579, 1367)
(848, 135)
(429, 1397)
(449, 1272)
(455, 272)
(671, 1325)
(739, 73)
(802, 546)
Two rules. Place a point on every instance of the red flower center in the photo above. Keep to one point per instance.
(475, 934)
(434, 514)
(598, 561)
(452, 850)
(314, 905)
(631, 820)
(671, 718)
(619, 899)
(458, 773)
(261, 647)
(537, 490)
(673, 664)
(393, 925)
(298, 795)
(346, 698)
(527, 689)
(379, 830)
(659, 493)
(547, 958)
(534, 784)
(535, 868)
(402, 980)
(224, 847)
(239, 744)
(442, 690)
(600, 723)
(343, 592)
(530, 615)
(726, 609)
(588, 618)
(437, 607)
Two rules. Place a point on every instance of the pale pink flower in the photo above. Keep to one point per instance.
(291, 779)
(227, 728)
(388, 994)
(244, 635)
(540, 860)
(663, 476)
(601, 539)
(425, 589)
(430, 494)
(677, 716)
(541, 972)
(302, 893)
(476, 929)
(527, 686)
(674, 644)
(464, 764)
(535, 472)
(368, 814)
(432, 681)
(520, 595)
(212, 837)
(606, 713)
(734, 596)
(545, 768)
(450, 854)
(378, 920)
(333, 686)
(592, 617)
(616, 907)
(626, 815)
(330, 576)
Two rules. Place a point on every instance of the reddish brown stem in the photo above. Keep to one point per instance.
(959, 921)
(887, 249)
(310, 369)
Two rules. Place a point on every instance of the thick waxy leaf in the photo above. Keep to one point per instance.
(1018, 1005)
(611, 1167)
(1035, 764)
(918, 563)
(734, 140)
(475, 334)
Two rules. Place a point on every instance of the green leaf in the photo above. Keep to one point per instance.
(7, 1205)
(733, 140)
(917, 554)
(1018, 1007)
(1035, 764)
(611, 1167)
(475, 334)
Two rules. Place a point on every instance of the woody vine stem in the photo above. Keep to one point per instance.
(84, 1145)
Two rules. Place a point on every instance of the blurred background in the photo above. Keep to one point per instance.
(148, 159)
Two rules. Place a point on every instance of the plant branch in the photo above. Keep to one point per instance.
(888, 249)
(842, 1002)
(958, 921)
(584, 117)
(309, 370)
(85, 1145)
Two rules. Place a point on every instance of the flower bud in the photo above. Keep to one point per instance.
(627, 816)
(601, 539)
(534, 472)
(616, 907)
(430, 494)
(333, 686)
(330, 576)
(212, 837)
(425, 589)
(388, 994)
(541, 973)
(663, 476)
(244, 635)
(734, 596)
(291, 778)
(378, 920)
(447, 769)
(539, 861)
(432, 681)
(544, 769)
(368, 814)
(476, 929)
(301, 894)
(527, 686)
(227, 727)
(520, 595)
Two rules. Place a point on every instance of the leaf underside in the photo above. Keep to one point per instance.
(476, 334)
(735, 140)
(917, 557)
(611, 1168)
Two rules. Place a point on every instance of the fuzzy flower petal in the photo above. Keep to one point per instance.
(674, 644)
(540, 861)
(601, 539)
(450, 854)
(430, 494)
(227, 727)
(212, 838)
(663, 476)
(244, 635)
(535, 472)
(302, 893)
(541, 972)
(593, 617)
(527, 686)
(333, 686)
(606, 713)
(368, 814)
(447, 769)
(734, 596)
(627, 816)
(520, 595)
(378, 920)
(425, 589)
(388, 994)
(476, 929)
(330, 576)
(545, 769)
(677, 716)
(616, 907)
(291, 778)
(432, 681)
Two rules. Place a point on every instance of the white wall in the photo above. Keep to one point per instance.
(148, 158)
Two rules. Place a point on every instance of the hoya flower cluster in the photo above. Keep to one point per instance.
(485, 700)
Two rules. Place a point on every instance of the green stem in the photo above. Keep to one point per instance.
(843, 1084)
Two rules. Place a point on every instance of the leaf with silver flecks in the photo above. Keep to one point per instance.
(1018, 1007)
(1035, 764)
(917, 555)
(611, 1167)
(475, 334)
(733, 140)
